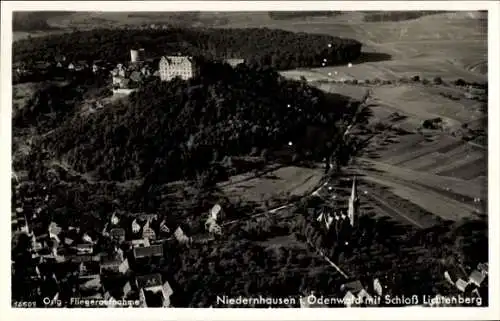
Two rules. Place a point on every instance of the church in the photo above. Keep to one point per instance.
(337, 223)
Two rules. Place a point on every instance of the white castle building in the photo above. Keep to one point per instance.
(177, 66)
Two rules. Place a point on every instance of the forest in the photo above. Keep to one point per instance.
(262, 47)
(398, 15)
(178, 129)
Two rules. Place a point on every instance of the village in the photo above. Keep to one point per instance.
(102, 264)
(113, 268)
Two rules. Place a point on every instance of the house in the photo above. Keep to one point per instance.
(477, 278)
(115, 219)
(325, 218)
(140, 243)
(146, 71)
(483, 268)
(349, 299)
(81, 65)
(90, 282)
(216, 213)
(148, 251)
(377, 286)
(39, 242)
(54, 231)
(127, 288)
(164, 230)
(153, 292)
(120, 82)
(118, 234)
(110, 264)
(310, 301)
(124, 267)
(353, 286)
(147, 232)
(448, 278)
(180, 236)
(87, 239)
(147, 217)
(461, 285)
(110, 301)
(214, 229)
(82, 258)
(135, 226)
(84, 248)
(177, 66)
(355, 294)
(233, 62)
(365, 297)
(88, 267)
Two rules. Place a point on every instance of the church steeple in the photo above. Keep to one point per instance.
(353, 203)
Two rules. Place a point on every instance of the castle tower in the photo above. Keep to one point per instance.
(352, 212)
(137, 55)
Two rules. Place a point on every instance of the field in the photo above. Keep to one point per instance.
(293, 181)
(419, 177)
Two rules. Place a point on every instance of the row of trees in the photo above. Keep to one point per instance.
(263, 47)
(382, 16)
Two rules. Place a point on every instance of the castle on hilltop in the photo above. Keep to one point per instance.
(184, 67)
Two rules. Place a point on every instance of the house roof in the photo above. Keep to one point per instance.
(168, 289)
(349, 298)
(176, 60)
(150, 280)
(477, 277)
(461, 284)
(117, 232)
(84, 246)
(110, 261)
(234, 61)
(153, 250)
(140, 243)
(483, 267)
(354, 286)
(82, 258)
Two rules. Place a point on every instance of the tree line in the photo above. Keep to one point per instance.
(258, 46)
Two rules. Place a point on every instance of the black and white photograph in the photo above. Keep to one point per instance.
(275, 157)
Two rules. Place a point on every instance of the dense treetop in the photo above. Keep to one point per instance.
(278, 48)
(176, 129)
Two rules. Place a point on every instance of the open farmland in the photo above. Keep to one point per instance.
(293, 181)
